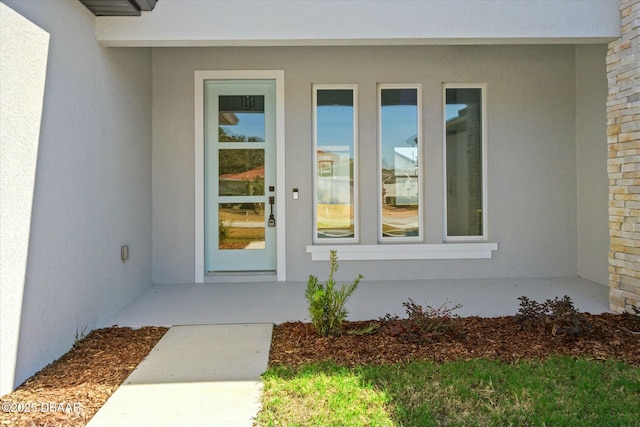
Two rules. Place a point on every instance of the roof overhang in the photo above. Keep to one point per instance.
(179, 23)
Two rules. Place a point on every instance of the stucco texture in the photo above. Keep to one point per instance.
(531, 150)
(23, 65)
(92, 188)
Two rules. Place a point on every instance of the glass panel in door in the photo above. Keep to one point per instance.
(240, 176)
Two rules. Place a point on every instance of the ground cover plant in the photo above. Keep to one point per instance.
(559, 391)
(549, 365)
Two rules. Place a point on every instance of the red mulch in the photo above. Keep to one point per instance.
(94, 368)
(499, 338)
(69, 391)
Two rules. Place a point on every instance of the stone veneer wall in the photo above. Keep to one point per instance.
(623, 130)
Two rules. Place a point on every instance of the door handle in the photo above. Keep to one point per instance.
(272, 219)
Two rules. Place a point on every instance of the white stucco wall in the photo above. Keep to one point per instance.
(23, 66)
(532, 185)
(593, 182)
(363, 22)
(92, 186)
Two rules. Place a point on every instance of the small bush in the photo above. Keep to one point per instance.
(530, 311)
(371, 328)
(423, 324)
(326, 303)
(557, 316)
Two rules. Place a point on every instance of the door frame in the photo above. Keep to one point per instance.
(200, 76)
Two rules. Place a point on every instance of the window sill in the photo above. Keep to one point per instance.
(404, 252)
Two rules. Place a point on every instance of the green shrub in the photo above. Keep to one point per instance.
(326, 302)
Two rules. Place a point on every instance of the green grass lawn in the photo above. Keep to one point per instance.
(560, 391)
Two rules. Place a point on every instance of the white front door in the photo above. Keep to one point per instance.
(240, 175)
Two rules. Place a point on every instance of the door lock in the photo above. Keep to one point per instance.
(272, 220)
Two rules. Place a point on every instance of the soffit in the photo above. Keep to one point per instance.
(177, 23)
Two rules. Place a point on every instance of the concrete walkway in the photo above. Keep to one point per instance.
(200, 375)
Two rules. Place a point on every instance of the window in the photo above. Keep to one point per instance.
(335, 165)
(465, 165)
(399, 168)
(401, 192)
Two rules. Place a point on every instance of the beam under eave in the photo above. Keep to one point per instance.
(354, 42)
(361, 22)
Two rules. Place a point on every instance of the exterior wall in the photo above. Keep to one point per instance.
(593, 183)
(23, 67)
(532, 184)
(623, 119)
(362, 22)
(92, 190)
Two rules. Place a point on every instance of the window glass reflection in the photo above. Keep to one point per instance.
(464, 184)
(241, 172)
(241, 226)
(241, 118)
(400, 168)
(334, 115)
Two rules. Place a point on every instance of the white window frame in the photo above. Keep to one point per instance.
(455, 248)
(476, 250)
(408, 239)
(356, 228)
(485, 223)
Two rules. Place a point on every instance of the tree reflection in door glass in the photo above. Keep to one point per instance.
(241, 172)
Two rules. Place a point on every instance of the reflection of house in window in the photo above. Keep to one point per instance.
(248, 183)
(400, 184)
(334, 175)
(334, 142)
(464, 172)
(241, 172)
(325, 168)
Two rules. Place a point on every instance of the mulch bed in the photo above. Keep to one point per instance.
(69, 391)
(95, 367)
(499, 338)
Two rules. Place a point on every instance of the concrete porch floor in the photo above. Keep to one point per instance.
(276, 302)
